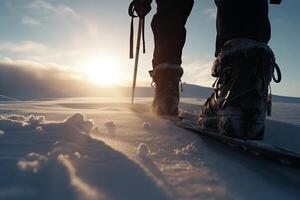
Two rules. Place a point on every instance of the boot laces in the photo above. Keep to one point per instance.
(220, 84)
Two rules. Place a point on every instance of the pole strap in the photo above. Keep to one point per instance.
(143, 36)
(131, 56)
(131, 11)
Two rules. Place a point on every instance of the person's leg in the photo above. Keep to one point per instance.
(242, 19)
(169, 31)
(168, 27)
(243, 68)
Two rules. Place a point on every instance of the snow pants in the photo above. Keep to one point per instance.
(168, 26)
(235, 19)
(242, 19)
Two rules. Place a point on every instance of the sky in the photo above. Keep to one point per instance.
(92, 37)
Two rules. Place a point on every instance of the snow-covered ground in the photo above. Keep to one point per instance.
(101, 148)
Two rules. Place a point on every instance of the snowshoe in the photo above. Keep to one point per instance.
(189, 121)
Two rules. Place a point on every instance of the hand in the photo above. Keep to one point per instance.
(141, 7)
(275, 1)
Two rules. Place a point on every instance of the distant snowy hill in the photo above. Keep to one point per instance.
(28, 81)
(189, 91)
(89, 90)
(196, 91)
(5, 98)
(283, 99)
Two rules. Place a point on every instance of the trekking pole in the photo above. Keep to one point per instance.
(137, 53)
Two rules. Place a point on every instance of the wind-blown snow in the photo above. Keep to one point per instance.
(48, 152)
(33, 162)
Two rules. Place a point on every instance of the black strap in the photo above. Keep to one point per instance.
(143, 34)
(131, 11)
(131, 39)
(279, 76)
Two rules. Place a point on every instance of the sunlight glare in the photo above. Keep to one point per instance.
(103, 72)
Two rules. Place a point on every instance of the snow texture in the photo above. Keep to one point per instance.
(48, 152)
(77, 154)
(65, 163)
(147, 125)
(32, 162)
(143, 149)
(186, 150)
(37, 123)
(110, 124)
(39, 129)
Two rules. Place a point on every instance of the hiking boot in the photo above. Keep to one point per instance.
(238, 106)
(166, 78)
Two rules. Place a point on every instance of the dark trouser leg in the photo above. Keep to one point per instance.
(242, 19)
(168, 26)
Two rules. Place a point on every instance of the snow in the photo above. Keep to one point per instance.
(83, 188)
(39, 129)
(186, 150)
(147, 125)
(143, 149)
(33, 162)
(77, 154)
(95, 148)
(110, 124)
(16, 117)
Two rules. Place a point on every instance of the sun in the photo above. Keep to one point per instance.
(103, 72)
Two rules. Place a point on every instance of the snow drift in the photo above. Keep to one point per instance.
(48, 160)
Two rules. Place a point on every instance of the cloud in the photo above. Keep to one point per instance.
(50, 9)
(42, 53)
(211, 13)
(199, 73)
(27, 79)
(23, 47)
(28, 21)
(92, 28)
